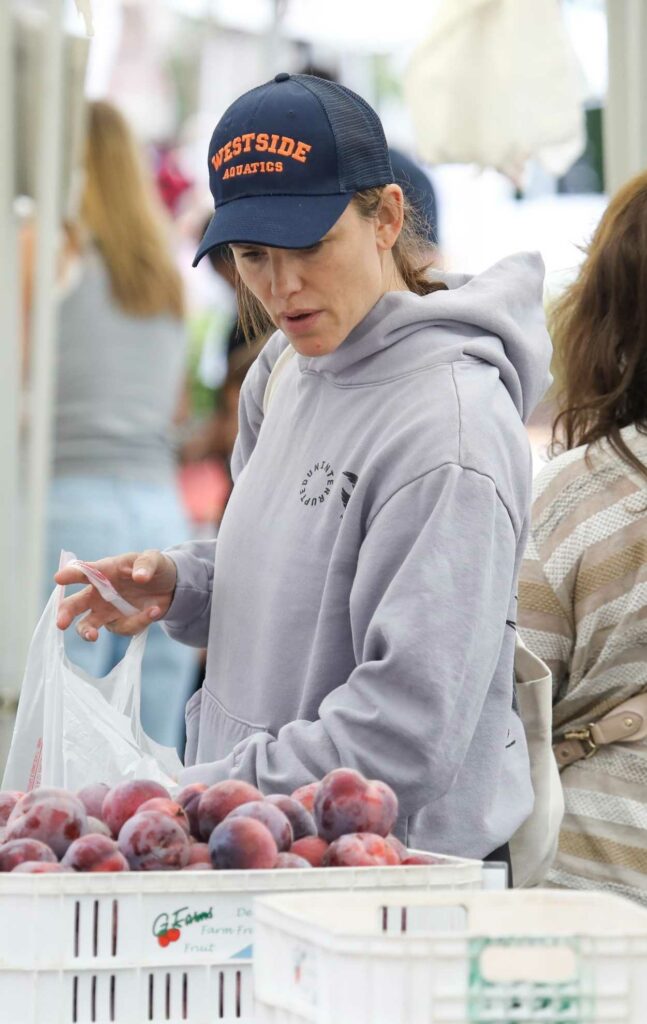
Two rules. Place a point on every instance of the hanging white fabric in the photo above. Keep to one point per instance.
(84, 7)
(495, 83)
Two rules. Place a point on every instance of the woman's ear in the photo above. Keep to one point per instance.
(390, 216)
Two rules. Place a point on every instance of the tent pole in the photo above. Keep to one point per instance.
(42, 364)
(625, 114)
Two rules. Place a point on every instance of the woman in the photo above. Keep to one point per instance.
(358, 603)
(583, 591)
(120, 370)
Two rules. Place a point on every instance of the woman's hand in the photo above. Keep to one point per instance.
(145, 580)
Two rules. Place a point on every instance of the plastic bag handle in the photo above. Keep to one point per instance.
(98, 580)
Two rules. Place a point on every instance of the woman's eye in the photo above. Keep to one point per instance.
(253, 255)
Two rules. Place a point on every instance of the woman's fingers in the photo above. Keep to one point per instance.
(146, 565)
(153, 575)
(124, 625)
(75, 605)
(69, 574)
(87, 632)
(96, 618)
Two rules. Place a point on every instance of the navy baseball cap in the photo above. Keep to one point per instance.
(285, 160)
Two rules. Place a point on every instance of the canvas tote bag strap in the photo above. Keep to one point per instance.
(286, 355)
(534, 844)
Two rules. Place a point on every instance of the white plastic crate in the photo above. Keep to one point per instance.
(78, 948)
(524, 957)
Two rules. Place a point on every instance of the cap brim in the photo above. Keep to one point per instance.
(285, 222)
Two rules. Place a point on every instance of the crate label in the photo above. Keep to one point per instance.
(304, 974)
(529, 978)
(224, 929)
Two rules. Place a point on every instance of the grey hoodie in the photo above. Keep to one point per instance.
(359, 604)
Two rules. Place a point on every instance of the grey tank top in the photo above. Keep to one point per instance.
(117, 385)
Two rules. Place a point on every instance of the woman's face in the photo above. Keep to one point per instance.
(316, 296)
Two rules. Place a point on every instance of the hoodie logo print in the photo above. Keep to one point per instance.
(345, 495)
(317, 484)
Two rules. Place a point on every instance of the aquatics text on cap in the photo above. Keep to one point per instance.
(285, 160)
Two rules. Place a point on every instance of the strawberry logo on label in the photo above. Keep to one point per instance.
(167, 927)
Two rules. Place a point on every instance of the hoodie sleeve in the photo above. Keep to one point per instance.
(188, 617)
(428, 610)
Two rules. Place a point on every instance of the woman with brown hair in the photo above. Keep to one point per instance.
(120, 351)
(359, 601)
(583, 588)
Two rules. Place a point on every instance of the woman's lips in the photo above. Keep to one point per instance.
(300, 324)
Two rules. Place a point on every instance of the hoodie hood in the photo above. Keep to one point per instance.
(496, 317)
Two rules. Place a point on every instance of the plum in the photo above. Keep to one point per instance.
(55, 817)
(189, 798)
(94, 853)
(19, 850)
(269, 815)
(346, 802)
(302, 822)
(39, 867)
(242, 843)
(170, 807)
(399, 847)
(97, 827)
(153, 841)
(291, 860)
(92, 798)
(199, 854)
(34, 795)
(361, 849)
(8, 800)
(311, 848)
(218, 800)
(422, 858)
(305, 795)
(125, 799)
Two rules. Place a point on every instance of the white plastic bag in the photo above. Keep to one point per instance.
(71, 729)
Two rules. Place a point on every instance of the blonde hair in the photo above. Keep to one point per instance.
(410, 255)
(125, 218)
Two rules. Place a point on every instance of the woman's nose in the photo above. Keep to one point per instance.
(285, 278)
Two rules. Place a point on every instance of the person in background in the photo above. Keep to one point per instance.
(171, 181)
(421, 195)
(216, 434)
(120, 354)
(583, 585)
(358, 601)
(409, 175)
(212, 436)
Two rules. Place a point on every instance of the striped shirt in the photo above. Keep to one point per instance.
(583, 609)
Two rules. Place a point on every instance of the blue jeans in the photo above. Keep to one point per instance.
(95, 517)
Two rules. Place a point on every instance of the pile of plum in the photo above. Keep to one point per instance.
(342, 821)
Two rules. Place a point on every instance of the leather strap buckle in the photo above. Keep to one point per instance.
(585, 738)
